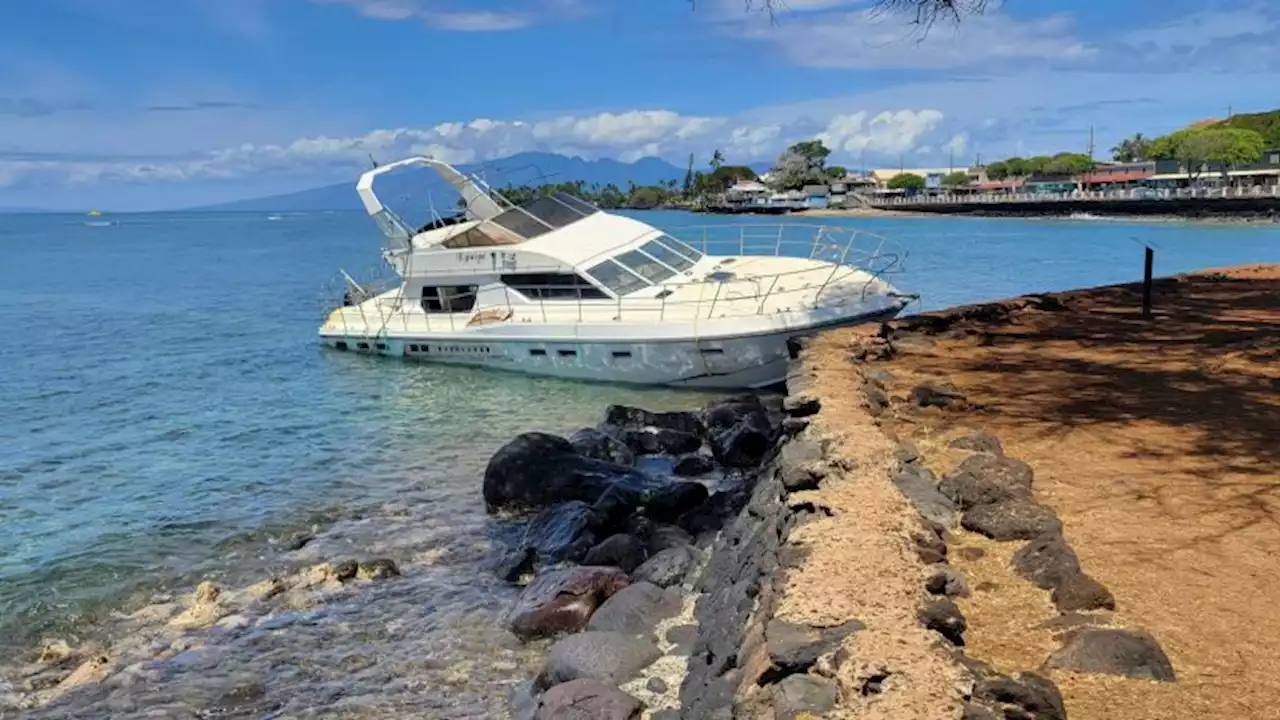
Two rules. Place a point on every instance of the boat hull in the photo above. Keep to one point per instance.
(751, 361)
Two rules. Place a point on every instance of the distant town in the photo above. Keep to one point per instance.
(1237, 158)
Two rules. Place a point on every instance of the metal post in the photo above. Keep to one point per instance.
(1146, 283)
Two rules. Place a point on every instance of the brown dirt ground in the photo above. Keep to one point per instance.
(1158, 442)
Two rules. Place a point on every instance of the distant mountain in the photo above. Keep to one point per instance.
(417, 186)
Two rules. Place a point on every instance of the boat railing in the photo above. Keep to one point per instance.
(722, 293)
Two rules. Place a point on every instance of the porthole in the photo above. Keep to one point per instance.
(413, 348)
(363, 345)
(382, 346)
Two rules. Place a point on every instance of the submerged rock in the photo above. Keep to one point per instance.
(563, 600)
(537, 469)
(624, 417)
(692, 465)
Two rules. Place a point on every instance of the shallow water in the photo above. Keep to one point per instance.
(168, 416)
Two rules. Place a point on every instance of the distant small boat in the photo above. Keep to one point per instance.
(95, 213)
(98, 223)
(274, 217)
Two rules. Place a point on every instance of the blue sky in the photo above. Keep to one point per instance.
(144, 104)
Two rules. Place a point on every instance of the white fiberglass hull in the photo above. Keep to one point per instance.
(750, 361)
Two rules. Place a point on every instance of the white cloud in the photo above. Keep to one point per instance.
(627, 136)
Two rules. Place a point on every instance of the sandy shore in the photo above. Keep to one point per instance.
(1154, 440)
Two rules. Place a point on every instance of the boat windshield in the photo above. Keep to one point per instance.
(616, 278)
(544, 214)
(663, 250)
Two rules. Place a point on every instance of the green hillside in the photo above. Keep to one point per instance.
(1266, 124)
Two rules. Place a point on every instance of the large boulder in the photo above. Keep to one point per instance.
(1029, 697)
(587, 699)
(562, 601)
(635, 610)
(602, 446)
(660, 441)
(536, 470)
(1048, 561)
(794, 648)
(741, 431)
(561, 532)
(608, 656)
(1106, 651)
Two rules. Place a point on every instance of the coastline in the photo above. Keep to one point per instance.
(851, 575)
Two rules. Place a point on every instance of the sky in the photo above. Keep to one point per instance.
(154, 104)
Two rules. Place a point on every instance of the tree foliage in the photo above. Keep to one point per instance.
(608, 197)
(1063, 163)
(959, 178)
(907, 181)
(1194, 148)
(1134, 149)
(1266, 124)
(804, 163)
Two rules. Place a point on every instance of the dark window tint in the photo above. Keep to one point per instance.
(680, 247)
(645, 266)
(577, 203)
(449, 299)
(521, 223)
(616, 278)
(553, 286)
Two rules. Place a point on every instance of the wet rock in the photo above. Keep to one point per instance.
(794, 648)
(693, 465)
(536, 470)
(666, 568)
(946, 580)
(523, 702)
(803, 696)
(296, 541)
(1104, 651)
(656, 685)
(1011, 520)
(939, 395)
(561, 532)
(621, 551)
(669, 503)
(1046, 561)
(942, 615)
(1081, 592)
(918, 485)
(1029, 697)
(379, 569)
(615, 509)
(563, 600)
(985, 479)
(740, 431)
(633, 418)
(661, 441)
(587, 699)
(634, 610)
(515, 564)
(609, 656)
(602, 446)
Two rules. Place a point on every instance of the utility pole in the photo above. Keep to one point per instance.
(951, 161)
(1229, 112)
(1091, 143)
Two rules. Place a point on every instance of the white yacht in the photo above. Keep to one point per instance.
(558, 287)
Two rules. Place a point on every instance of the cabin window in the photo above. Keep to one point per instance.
(645, 266)
(537, 352)
(449, 299)
(666, 255)
(567, 353)
(553, 286)
(340, 345)
(616, 277)
(621, 354)
(544, 214)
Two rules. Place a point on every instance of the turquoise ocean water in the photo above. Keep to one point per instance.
(167, 414)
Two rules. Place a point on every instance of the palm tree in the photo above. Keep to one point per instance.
(717, 160)
(1132, 149)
